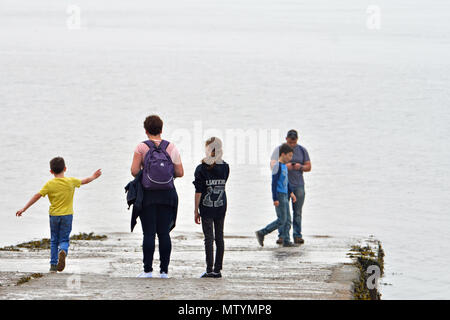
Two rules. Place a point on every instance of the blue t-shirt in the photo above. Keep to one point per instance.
(280, 181)
(282, 184)
(300, 156)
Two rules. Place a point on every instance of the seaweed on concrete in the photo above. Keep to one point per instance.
(9, 248)
(364, 257)
(28, 278)
(44, 244)
(35, 245)
(88, 236)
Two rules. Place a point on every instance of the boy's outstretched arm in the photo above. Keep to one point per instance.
(32, 201)
(96, 174)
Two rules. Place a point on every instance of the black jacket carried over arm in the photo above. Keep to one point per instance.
(136, 194)
(135, 198)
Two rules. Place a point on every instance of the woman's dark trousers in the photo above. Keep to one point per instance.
(156, 220)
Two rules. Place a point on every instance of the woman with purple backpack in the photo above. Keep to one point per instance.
(158, 163)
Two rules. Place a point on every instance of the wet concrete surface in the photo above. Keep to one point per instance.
(319, 269)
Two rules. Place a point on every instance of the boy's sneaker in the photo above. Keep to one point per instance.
(288, 244)
(164, 275)
(299, 240)
(145, 275)
(260, 238)
(217, 275)
(207, 275)
(61, 261)
(280, 241)
(53, 268)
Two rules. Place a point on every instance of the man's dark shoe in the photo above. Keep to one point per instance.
(260, 238)
(61, 261)
(280, 241)
(299, 240)
(288, 244)
(53, 268)
(217, 275)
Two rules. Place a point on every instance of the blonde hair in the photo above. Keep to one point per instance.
(213, 151)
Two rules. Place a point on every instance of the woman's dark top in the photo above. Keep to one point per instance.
(141, 198)
(166, 197)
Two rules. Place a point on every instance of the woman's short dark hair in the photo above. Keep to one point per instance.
(57, 165)
(285, 148)
(153, 125)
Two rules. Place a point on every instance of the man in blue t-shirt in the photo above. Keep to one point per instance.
(300, 163)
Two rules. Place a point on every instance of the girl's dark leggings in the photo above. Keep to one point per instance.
(213, 231)
(156, 219)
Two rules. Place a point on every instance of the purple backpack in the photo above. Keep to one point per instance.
(159, 171)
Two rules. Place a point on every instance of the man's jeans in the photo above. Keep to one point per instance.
(297, 215)
(60, 228)
(283, 217)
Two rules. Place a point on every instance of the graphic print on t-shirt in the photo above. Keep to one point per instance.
(210, 182)
(214, 193)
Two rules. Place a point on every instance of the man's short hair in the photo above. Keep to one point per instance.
(57, 165)
(285, 148)
(153, 124)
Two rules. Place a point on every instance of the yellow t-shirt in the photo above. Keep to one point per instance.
(60, 193)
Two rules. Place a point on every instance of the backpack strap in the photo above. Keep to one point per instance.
(164, 144)
(150, 144)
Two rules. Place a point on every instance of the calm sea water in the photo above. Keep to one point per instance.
(371, 106)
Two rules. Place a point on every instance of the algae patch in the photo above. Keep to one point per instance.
(9, 248)
(26, 279)
(88, 236)
(44, 244)
(35, 245)
(367, 258)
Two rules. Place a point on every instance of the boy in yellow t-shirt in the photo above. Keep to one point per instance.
(60, 191)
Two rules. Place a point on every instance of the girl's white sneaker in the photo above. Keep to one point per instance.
(164, 275)
(145, 275)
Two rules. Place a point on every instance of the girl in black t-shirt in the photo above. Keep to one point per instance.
(211, 204)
